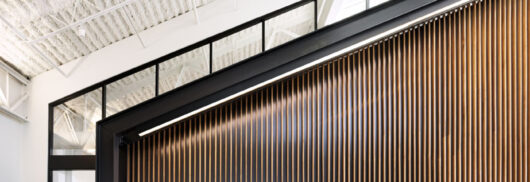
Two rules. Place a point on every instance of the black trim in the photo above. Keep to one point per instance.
(281, 59)
(184, 50)
(87, 162)
(104, 101)
(50, 140)
(65, 162)
(263, 36)
(82, 162)
(316, 14)
(211, 58)
(157, 77)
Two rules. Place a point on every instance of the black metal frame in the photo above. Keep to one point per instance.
(88, 161)
(83, 162)
(114, 132)
(123, 127)
(179, 52)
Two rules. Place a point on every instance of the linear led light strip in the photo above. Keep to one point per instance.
(316, 62)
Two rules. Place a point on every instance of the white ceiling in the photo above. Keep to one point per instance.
(192, 65)
(36, 19)
(75, 119)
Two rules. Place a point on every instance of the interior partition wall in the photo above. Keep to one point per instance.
(443, 100)
(72, 119)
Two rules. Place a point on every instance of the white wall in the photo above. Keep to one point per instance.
(11, 139)
(122, 56)
(74, 176)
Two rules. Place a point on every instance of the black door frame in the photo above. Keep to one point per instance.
(114, 132)
(88, 162)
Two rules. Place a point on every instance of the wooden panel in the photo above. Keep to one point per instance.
(446, 100)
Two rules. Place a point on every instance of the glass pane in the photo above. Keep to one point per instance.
(74, 176)
(236, 47)
(340, 10)
(74, 124)
(289, 25)
(373, 3)
(131, 90)
(184, 68)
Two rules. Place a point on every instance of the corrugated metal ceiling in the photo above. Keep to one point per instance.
(37, 18)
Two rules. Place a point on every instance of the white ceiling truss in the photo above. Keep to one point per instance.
(39, 35)
(74, 124)
(74, 121)
(72, 134)
(194, 64)
(175, 72)
(13, 93)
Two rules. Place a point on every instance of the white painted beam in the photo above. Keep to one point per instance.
(3, 98)
(32, 46)
(133, 26)
(23, 79)
(82, 21)
(8, 94)
(194, 6)
(278, 31)
(12, 115)
(19, 102)
(49, 86)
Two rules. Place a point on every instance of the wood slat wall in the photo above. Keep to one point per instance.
(443, 101)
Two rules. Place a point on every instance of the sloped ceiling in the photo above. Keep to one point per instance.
(36, 19)
(77, 117)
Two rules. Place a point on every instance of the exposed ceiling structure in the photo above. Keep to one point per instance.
(341, 9)
(192, 65)
(49, 33)
(38, 35)
(74, 122)
(13, 93)
(337, 10)
(77, 117)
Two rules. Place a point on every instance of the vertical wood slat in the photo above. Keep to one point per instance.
(446, 100)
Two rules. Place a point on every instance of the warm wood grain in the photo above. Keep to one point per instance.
(445, 100)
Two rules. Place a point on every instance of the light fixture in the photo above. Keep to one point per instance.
(81, 31)
(308, 65)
